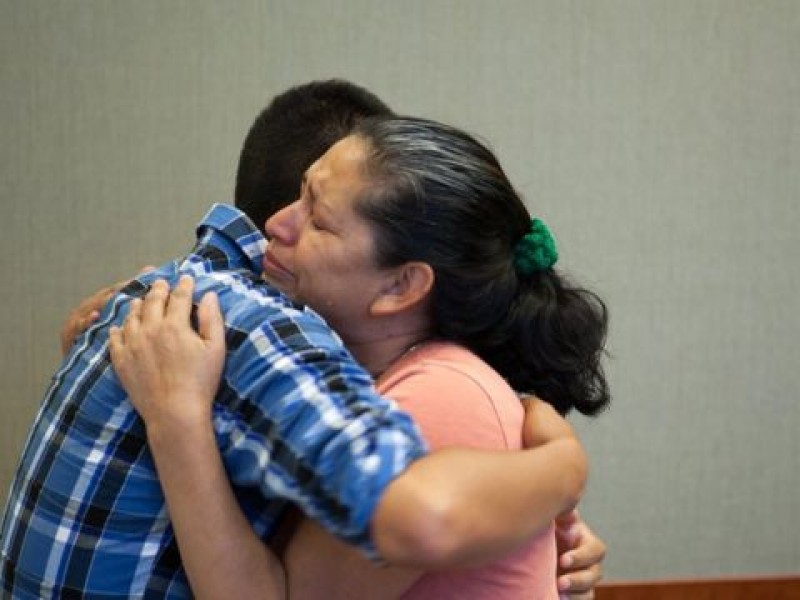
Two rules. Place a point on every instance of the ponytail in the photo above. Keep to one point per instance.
(551, 344)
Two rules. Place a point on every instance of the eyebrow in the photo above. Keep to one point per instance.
(312, 195)
(319, 205)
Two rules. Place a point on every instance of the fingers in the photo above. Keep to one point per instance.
(119, 338)
(581, 555)
(155, 301)
(583, 580)
(209, 320)
(146, 269)
(159, 303)
(161, 307)
(75, 325)
(86, 313)
(584, 549)
(580, 570)
(567, 519)
(134, 318)
(179, 305)
(116, 344)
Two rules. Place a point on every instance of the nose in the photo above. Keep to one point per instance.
(283, 226)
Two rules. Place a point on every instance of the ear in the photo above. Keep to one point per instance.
(407, 286)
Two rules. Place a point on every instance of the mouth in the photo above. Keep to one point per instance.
(274, 271)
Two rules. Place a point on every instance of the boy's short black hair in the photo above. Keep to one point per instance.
(293, 131)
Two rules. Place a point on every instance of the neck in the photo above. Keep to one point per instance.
(378, 354)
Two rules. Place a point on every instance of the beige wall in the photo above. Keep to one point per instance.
(660, 139)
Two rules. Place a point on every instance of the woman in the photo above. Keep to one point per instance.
(410, 241)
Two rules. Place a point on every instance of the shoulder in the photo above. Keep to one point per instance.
(455, 397)
(441, 364)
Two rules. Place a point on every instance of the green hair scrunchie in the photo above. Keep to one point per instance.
(536, 251)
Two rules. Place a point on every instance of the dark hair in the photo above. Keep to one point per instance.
(293, 131)
(440, 196)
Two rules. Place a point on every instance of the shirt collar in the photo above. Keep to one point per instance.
(231, 231)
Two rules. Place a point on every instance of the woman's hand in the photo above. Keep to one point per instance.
(170, 371)
(580, 557)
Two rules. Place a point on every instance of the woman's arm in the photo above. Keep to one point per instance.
(460, 507)
(222, 555)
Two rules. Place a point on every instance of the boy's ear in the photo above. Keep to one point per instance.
(407, 286)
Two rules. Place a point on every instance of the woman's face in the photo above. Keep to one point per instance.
(321, 250)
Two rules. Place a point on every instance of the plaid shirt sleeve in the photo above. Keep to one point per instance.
(296, 419)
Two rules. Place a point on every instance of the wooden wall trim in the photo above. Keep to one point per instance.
(778, 587)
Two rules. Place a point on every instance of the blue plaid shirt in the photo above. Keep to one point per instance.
(296, 419)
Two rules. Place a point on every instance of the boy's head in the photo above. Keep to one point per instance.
(293, 131)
